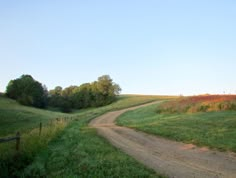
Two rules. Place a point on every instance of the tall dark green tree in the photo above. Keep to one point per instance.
(27, 91)
(61, 99)
(82, 97)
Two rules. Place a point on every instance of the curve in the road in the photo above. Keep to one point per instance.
(171, 158)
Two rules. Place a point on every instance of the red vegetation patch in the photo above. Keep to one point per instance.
(201, 103)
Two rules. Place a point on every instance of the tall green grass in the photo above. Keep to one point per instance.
(212, 129)
(13, 162)
(15, 117)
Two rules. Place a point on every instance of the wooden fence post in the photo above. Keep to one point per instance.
(40, 128)
(17, 141)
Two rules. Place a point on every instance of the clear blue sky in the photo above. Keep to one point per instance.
(146, 46)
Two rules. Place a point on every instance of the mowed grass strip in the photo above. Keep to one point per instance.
(212, 129)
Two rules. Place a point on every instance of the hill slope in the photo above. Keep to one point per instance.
(15, 117)
(75, 150)
(212, 128)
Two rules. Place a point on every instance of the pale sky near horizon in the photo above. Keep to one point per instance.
(147, 47)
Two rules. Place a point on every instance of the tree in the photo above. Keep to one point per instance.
(62, 98)
(107, 86)
(55, 97)
(27, 91)
(56, 91)
(82, 96)
(65, 105)
(69, 91)
(105, 90)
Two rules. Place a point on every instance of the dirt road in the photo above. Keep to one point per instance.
(171, 158)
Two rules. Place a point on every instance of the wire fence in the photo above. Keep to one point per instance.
(17, 138)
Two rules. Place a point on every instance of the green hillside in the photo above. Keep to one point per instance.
(215, 129)
(15, 117)
(65, 149)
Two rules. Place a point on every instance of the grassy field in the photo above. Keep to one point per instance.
(125, 101)
(212, 129)
(15, 117)
(73, 150)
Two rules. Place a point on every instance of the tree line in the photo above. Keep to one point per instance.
(27, 91)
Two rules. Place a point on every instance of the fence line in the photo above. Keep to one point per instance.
(18, 136)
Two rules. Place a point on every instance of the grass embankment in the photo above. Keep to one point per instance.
(77, 151)
(215, 129)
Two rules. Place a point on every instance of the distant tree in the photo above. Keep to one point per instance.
(105, 90)
(55, 98)
(45, 97)
(65, 106)
(68, 95)
(82, 96)
(27, 91)
(56, 91)
(62, 98)
(107, 86)
(98, 93)
(69, 91)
